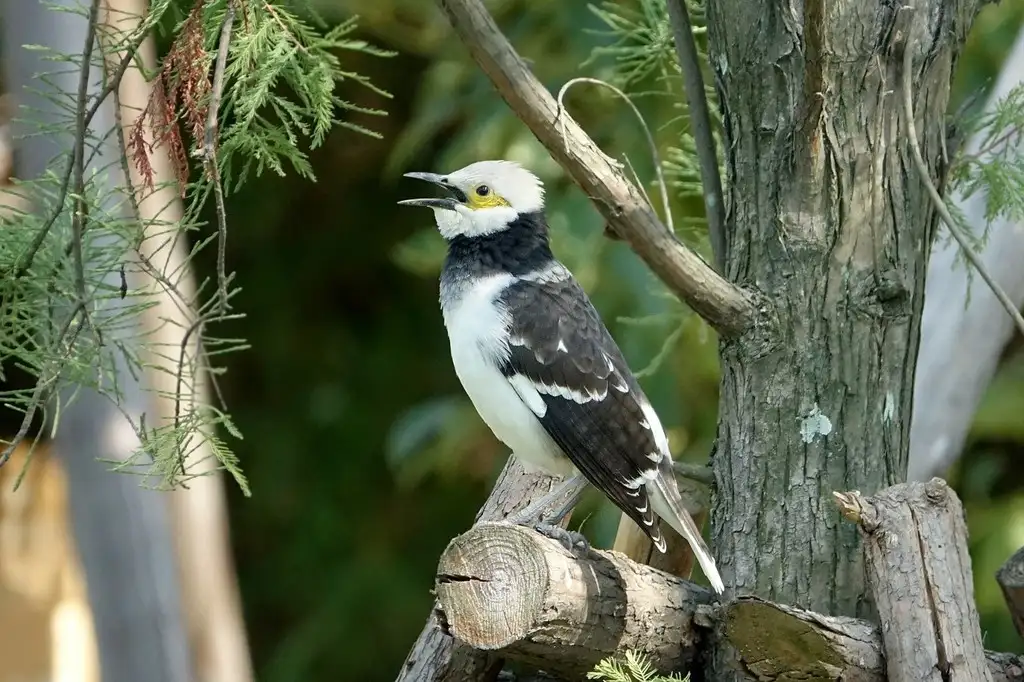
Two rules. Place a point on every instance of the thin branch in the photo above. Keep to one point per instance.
(728, 308)
(647, 133)
(939, 204)
(115, 80)
(700, 122)
(44, 382)
(701, 473)
(78, 158)
(210, 154)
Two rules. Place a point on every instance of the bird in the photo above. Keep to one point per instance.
(538, 363)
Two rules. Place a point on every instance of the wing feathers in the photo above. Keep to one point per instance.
(568, 370)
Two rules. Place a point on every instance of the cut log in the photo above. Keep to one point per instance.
(506, 588)
(1011, 579)
(919, 575)
(435, 656)
(518, 595)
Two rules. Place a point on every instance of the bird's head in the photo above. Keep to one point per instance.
(483, 198)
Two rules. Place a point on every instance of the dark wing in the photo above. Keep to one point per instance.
(570, 372)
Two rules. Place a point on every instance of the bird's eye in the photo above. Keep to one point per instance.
(483, 190)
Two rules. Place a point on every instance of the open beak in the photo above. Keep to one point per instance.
(447, 203)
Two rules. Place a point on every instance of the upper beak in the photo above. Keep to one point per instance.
(447, 203)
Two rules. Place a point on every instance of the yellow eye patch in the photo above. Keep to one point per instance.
(482, 196)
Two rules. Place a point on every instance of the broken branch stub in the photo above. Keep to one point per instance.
(919, 575)
(1011, 579)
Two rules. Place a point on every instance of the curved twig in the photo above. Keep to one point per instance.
(647, 133)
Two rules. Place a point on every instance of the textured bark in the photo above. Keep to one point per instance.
(919, 573)
(950, 383)
(513, 592)
(435, 654)
(1011, 579)
(829, 220)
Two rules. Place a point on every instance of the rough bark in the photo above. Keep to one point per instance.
(436, 655)
(122, 531)
(524, 597)
(1011, 579)
(828, 219)
(919, 573)
(950, 383)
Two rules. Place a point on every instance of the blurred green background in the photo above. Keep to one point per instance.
(363, 455)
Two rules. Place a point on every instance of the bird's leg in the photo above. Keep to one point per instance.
(547, 523)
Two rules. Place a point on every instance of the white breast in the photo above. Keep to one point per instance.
(478, 332)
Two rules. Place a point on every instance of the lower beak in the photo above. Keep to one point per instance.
(445, 203)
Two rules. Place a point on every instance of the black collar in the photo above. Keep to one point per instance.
(520, 248)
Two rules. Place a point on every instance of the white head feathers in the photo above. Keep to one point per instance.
(494, 194)
(507, 179)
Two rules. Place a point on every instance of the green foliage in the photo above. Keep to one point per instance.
(278, 54)
(996, 167)
(82, 270)
(640, 40)
(634, 667)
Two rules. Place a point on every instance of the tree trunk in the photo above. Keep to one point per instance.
(828, 219)
(122, 531)
(210, 596)
(516, 594)
(949, 383)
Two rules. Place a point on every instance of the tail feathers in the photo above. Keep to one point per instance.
(669, 506)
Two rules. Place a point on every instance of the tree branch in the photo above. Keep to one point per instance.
(729, 309)
(1011, 579)
(919, 574)
(940, 205)
(700, 122)
(520, 595)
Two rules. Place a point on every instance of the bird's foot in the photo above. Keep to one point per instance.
(573, 542)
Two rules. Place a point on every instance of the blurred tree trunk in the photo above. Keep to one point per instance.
(122, 531)
(827, 218)
(199, 513)
(951, 382)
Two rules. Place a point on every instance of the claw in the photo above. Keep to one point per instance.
(573, 542)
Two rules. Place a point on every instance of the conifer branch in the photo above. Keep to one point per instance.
(115, 80)
(936, 199)
(700, 120)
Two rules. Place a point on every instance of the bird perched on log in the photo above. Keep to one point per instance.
(537, 362)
